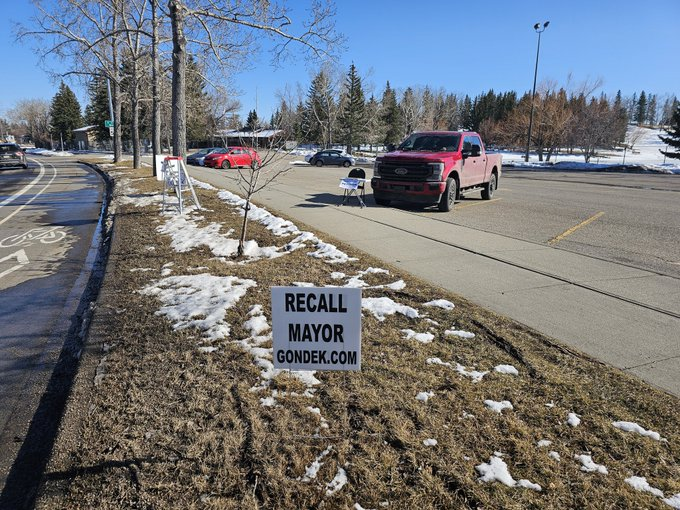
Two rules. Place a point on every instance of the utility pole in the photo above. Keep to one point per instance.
(539, 30)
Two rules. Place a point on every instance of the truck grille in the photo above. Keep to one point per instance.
(403, 171)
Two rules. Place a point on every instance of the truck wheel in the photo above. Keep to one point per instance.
(449, 196)
(490, 187)
(382, 201)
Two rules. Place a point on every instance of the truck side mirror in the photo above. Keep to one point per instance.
(465, 153)
(476, 151)
(390, 147)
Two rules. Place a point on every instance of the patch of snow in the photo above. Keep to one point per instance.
(639, 483)
(268, 402)
(337, 483)
(628, 426)
(441, 303)
(496, 470)
(437, 361)
(185, 298)
(589, 466)
(475, 375)
(383, 306)
(460, 333)
(506, 369)
(543, 443)
(423, 338)
(424, 396)
(207, 349)
(554, 455)
(187, 235)
(529, 485)
(673, 501)
(498, 406)
(313, 469)
(573, 420)
(430, 442)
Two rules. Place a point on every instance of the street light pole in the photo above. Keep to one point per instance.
(539, 30)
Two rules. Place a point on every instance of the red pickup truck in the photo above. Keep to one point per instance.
(435, 168)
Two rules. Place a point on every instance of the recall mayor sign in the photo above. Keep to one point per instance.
(316, 328)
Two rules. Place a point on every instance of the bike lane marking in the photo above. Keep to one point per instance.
(20, 257)
(46, 235)
(54, 176)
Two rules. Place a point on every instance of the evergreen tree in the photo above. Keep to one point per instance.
(299, 129)
(97, 110)
(198, 101)
(673, 138)
(452, 112)
(391, 117)
(353, 114)
(65, 114)
(620, 119)
(641, 110)
(252, 122)
(466, 112)
(320, 111)
(651, 110)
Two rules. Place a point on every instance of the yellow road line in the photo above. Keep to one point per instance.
(575, 228)
(480, 202)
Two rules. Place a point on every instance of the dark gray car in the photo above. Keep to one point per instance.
(331, 157)
(12, 155)
(198, 158)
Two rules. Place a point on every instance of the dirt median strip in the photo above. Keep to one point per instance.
(177, 404)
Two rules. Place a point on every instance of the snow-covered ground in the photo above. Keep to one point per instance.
(645, 153)
(201, 300)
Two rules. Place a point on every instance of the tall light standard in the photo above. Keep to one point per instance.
(539, 30)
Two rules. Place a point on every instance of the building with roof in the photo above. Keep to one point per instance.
(85, 137)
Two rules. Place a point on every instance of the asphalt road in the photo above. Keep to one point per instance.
(590, 259)
(49, 216)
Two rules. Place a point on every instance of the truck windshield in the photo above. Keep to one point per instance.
(430, 142)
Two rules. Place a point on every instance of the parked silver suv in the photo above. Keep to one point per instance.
(12, 155)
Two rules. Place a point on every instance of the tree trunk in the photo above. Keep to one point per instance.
(179, 107)
(117, 128)
(155, 103)
(136, 153)
(115, 93)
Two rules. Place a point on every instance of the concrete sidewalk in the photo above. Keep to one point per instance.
(627, 317)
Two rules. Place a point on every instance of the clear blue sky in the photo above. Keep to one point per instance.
(464, 47)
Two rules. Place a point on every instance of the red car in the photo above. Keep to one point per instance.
(231, 157)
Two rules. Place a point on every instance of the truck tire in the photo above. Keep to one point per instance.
(381, 201)
(448, 198)
(490, 187)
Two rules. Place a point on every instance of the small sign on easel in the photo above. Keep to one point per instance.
(175, 176)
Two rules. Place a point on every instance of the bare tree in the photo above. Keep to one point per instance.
(633, 136)
(87, 36)
(227, 32)
(34, 116)
(258, 176)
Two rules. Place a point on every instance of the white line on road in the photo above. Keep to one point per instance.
(25, 188)
(54, 176)
(20, 257)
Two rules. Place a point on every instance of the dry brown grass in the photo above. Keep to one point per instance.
(171, 427)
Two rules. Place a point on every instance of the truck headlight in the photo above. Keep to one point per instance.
(436, 171)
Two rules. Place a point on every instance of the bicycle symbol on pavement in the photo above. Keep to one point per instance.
(46, 235)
